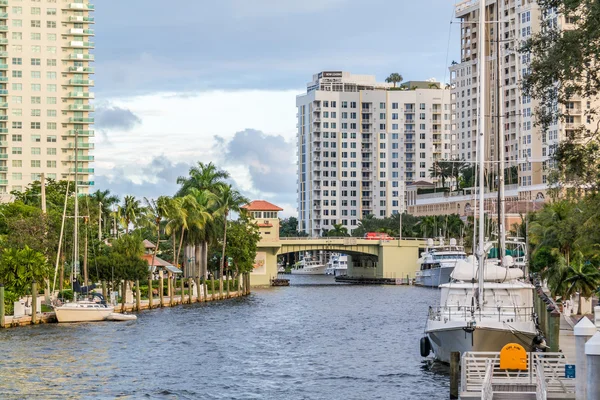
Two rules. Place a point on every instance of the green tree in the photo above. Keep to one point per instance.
(156, 210)
(564, 66)
(338, 230)
(242, 240)
(20, 267)
(228, 200)
(584, 278)
(129, 211)
(394, 78)
(289, 228)
(203, 177)
(107, 200)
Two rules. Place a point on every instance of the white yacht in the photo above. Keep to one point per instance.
(307, 266)
(437, 262)
(470, 319)
(337, 265)
(83, 311)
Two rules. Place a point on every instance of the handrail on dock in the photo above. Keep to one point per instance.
(545, 371)
(487, 389)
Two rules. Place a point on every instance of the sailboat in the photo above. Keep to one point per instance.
(487, 304)
(83, 310)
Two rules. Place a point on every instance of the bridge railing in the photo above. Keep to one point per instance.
(351, 237)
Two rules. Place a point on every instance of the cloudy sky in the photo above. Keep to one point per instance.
(201, 80)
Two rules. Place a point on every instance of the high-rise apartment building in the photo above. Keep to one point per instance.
(511, 23)
(360, 142)
(45, 81)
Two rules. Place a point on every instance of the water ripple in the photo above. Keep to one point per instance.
(310, 341)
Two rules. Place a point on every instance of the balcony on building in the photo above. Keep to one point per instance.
(81, 31)
(79, 6)
(81, 158)
(80, 19)
(81, 82)
(80, 95)
(80, 146)
(81, 70)
(80, 107)
(80, 56)
(73, 132)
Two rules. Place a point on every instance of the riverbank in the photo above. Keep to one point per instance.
(50, 317)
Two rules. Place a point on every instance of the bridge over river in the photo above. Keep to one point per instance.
(373, 259)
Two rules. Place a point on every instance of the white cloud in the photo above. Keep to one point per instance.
(183, 129)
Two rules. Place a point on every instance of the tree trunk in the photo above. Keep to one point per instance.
(197, 262)
(223, 255)
(180, 245)
(205, 259)
(580, 305)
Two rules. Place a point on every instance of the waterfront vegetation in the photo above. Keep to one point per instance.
(112, 231)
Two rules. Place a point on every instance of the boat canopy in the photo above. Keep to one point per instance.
(467, 270)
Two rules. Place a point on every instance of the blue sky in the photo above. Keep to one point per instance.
(185, 81)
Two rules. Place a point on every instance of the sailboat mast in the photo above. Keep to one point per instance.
(501, 150)
(481, 149)
(76, 227)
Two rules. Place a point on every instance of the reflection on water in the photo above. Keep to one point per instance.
(312, 340)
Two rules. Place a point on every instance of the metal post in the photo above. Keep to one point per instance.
(454, 374)
(592, 352)
(583, 331)
(76, 219)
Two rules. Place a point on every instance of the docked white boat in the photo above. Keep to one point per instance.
(437, 262)
(83, 311)
(337, 265)
(309, 267)
(464, 323)
(121, 317)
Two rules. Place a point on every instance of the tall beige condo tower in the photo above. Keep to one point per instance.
(45, 93)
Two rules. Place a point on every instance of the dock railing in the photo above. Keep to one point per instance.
(450, 313)
(547, 367)
(541, 392)
(487, 389)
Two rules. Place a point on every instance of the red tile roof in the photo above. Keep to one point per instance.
(158, 262)
(261, 205)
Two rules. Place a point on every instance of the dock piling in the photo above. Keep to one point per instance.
(150, 293)
(138, 300)
(583, 332)
(161, 291)
(553, 330)
(2, 311)
(454, 374)
(34, 309)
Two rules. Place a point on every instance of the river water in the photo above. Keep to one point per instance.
(312, 340)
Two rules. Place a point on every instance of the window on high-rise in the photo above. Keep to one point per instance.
(36, 24)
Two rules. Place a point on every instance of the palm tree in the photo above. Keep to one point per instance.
(177, 220)
(202, 211)
(583, 278)
(203, 177)
(394, 78)
(338, 230)
(156, 210)
(229, 200)
(107, 201)
(129, 211)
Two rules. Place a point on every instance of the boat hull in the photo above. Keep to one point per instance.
(75, 314)
(445, 341)
(317, 270)
(434, 277)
